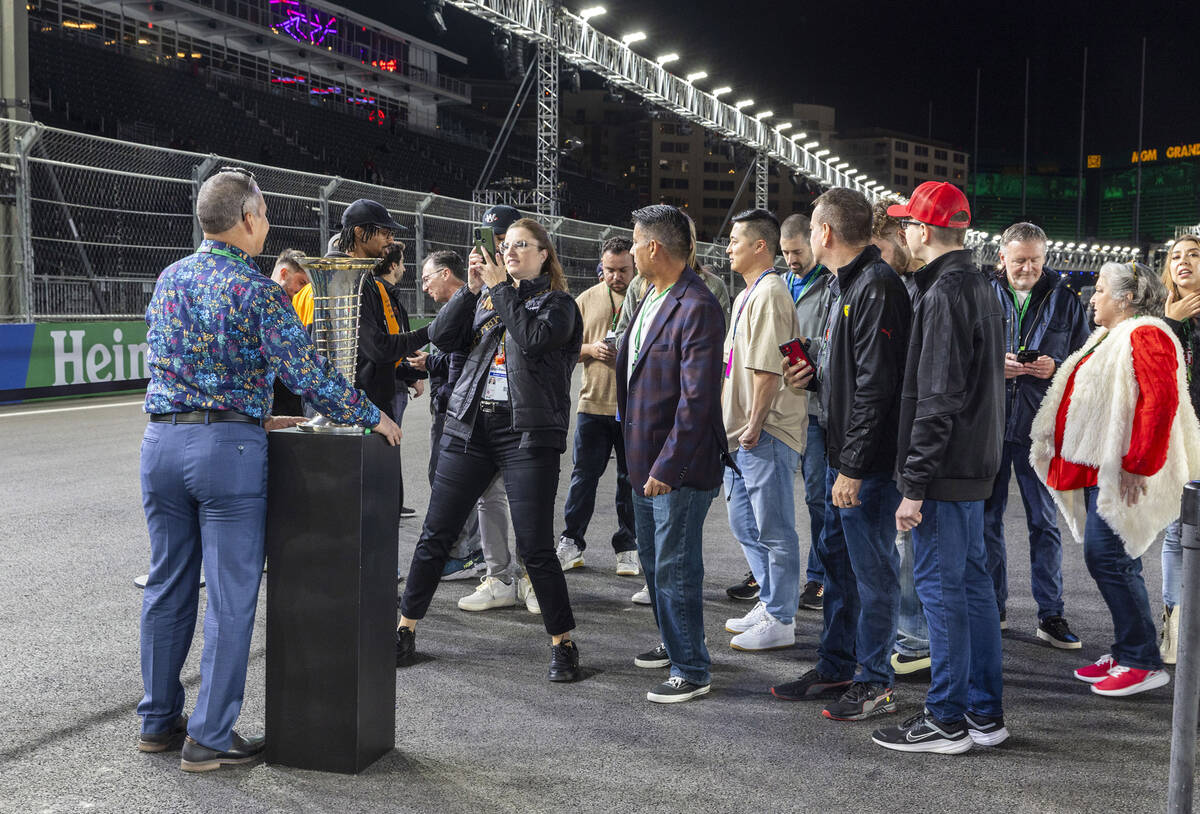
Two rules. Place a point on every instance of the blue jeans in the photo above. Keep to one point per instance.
(204, 491)
(862, 592)
(762, 515)
(670, 546)
(959, 599)
(1172, 563)
(912, 631)
(596, 437)
(1041, 518)
(813, 463)
(1119, 578)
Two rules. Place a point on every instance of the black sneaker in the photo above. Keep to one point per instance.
(406, 646)
(811, 596)
(924, 733)
(405, 511)
(861, 700)
(653, 658)
(564, 662)
(810, 685)
(1054, 629)
(986, 730)
(745, 590)
(171, 738)
(903, 665)
(676, 689)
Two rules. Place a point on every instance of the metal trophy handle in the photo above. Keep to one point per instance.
(336, 283)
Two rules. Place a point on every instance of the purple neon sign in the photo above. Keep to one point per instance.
(303, 24)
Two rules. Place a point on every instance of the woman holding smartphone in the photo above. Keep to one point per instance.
(509, 412)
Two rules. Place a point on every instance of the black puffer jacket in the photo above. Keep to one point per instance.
(862, 363)
(952, 410)
(542, 335)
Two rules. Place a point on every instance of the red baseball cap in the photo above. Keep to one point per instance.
(938, 203)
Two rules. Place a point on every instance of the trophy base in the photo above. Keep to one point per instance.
(323, 425)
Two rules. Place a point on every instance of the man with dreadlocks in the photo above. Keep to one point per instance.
(368, 231)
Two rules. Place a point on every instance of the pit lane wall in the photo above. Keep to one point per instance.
(61, 359)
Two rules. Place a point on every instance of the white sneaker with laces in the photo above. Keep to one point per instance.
(525, 594)
(744, 623)
(569, 554)
(490, 593)
(767, 634)
(628, 564)
(642, 597)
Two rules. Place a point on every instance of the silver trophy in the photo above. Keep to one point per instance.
(336, 283)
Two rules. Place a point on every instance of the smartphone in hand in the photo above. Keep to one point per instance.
(1024, 357)
(795, 353)
(485, 241)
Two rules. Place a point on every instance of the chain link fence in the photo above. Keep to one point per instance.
(87, 223)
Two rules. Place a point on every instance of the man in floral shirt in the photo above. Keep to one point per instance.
(220, 332)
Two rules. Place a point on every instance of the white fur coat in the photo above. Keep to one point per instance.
(1097, 433)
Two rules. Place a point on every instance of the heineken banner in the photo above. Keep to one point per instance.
(51, 359)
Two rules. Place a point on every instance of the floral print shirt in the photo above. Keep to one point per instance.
(220, 332)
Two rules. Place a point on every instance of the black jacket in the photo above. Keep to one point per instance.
(444, 370)
(378, 350)
(1055, 325)
(952, 412)
(862, 362)
(543, 332)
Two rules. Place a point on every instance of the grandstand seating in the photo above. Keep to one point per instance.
(92, 88)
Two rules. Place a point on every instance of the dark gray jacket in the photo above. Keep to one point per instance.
(543, 331)
(952, 407)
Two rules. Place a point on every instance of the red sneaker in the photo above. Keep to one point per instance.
(1130, 681)
(1098, 671)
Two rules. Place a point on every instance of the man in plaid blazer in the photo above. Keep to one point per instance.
(669, 401)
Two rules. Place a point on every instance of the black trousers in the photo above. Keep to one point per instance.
(464, 470)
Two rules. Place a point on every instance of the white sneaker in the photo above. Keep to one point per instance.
(569, 555)
(628, 564)
(525, 593)
(490, 593)
(642, 597)
(767, 634)
(744, 623)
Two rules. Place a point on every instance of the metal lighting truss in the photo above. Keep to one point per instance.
(545, 188)
(761, 170)
(586, 48)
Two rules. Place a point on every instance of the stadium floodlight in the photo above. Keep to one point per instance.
(665, 58)
(766, 114)
(851, 172)
(833, 159)
(636, 36)
(809, 145)
(743, 103)
(821, 152)
(842, 165)
(698, 75)
(593, 11)
(783, 126)
(717, 92)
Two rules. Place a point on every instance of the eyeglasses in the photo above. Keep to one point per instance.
(904, 224)
(520, 245)
(251, 181)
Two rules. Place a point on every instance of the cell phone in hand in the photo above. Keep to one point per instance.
(1024, 357)
(795, 352)
(485, 238)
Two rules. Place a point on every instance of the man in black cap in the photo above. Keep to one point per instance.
(368, 230)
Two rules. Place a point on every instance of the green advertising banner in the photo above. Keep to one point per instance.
(80, 353)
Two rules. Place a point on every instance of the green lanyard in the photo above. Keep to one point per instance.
(616, 314)
(224, 253)
(1022, 307)
(646, 306)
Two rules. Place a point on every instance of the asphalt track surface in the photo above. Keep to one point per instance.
(478, 727)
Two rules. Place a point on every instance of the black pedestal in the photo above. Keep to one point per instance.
(332, 535)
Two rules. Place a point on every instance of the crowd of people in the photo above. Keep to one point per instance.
(902, 382)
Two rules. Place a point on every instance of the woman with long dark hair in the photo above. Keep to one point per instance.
(1116, 439)
(509, 412)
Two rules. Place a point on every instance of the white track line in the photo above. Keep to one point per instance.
(72, 409)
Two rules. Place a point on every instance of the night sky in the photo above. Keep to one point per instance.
(881, 64)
